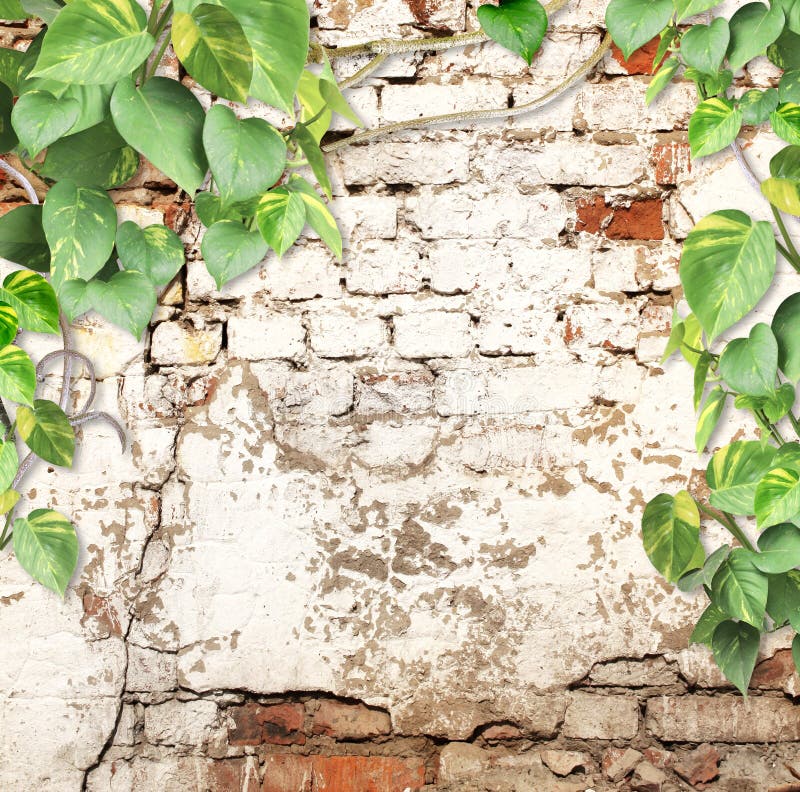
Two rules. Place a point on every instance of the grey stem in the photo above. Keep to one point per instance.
(746, 169)
(66, 380)
(23, 469)
(21, 179)
(75, 356)
(99, 415)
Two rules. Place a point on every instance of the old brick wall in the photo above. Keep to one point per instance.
(380, 524)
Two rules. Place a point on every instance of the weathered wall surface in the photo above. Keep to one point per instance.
(379, 528)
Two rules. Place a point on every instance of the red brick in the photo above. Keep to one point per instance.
(226, 775)
(641, 61)
(671, 162)
(640, 220)
(350, 721)
(279, 724)
(291, 773)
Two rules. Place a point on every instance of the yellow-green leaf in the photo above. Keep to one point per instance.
(47, 432)
(46, 547)
(17, 375)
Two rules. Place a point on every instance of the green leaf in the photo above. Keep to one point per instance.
(246, 157)
(127, 299)
(632, 23)
(780, 549)
(783, 600)
(80, 224)
(318, 215)
(777, 497)
(333, 97)
(313, 105)
(786, 122)
(22, 238)
(93, 100)
(164, 121)
(155, 251)
(229, 250)
(687, 8)
(671, 533)
(676, 334)
(756, 106)
(210, 210)
(46, 430)
(662, 79)
(40, 119)
(692, 339)
(750, 365)
(666, 40)
(791, 10)
(734, 472)
(46, 547)
(11, 61)
(278, 34)
(779, 404)
(517, 25)
(735, 647)
(280, 216)
(713, 126)
(784, 326)
(701, 377)
(9, 324)
(789, 87)
(17, 375)
(95, 157)
(46, 10)
(705, 574)
(709, 418)
(316, 159)
(11, 11)
(753, 28)
(796, 653)
(33, 300)
(9, 464)
(8, 137)
(728, 263)
(8, 500)
(95, 41)
(704, 46)
(710, 84)
(785, 52)
(212, 46)
(740, 589)
(711, 617)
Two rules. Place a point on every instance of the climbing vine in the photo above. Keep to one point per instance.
(93, 93)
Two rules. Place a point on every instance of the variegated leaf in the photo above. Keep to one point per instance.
(709, 417)
(318, 215)
(777, 497)
(281, 215)
(95, 42)
(9, 324)
(784, 325)
(39, 119)
(786, 122)
(22, 238)
(671, 534)
(727, 265)
(46, 430)
(212, 46)
(713, 126)
(127, 299)
(80, 224)
(734, 472)
(735, 647)
(740, 589)
(229, 250)
(17, 375)
(9, 464)
(155, 251)
(750, 365)
(33, 301)
(8, 500)
(46, 547)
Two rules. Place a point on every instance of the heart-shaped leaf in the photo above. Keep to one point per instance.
(740, 589)
(704, 46)
(9, 324)
(708, 622)
(164, 121)
(46, 547)
(709, 418)
(212, 46)
(40, 119)
(735, 647)
(713, 126)
(318, 215)
(632, 23)
(229, 250)
(246, 157)
(780, 549)
(756, 106)
(786, 122)
(22, 238)
(778, 497)
(517, 25)
(17, 375)
(46, 430)
(750, 365)
(783, 600)
(281, 216)
(210, 209)
(753, 28)
(95, 42)
(155, 251)
(734, 472)
(784, 326)
(671, 533)
(33, 300)
(80, 224)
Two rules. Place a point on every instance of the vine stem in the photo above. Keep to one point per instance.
(479, 115)
(727, 521)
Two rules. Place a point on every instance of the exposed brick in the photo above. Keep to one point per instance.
(350, 721)
(699, 766)
(671, 162)
(722, 719)
(641, 220)
(641, 61)
(595, 717)
(233, 775)
(279, 724)
(619, 762)
(292, 773)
